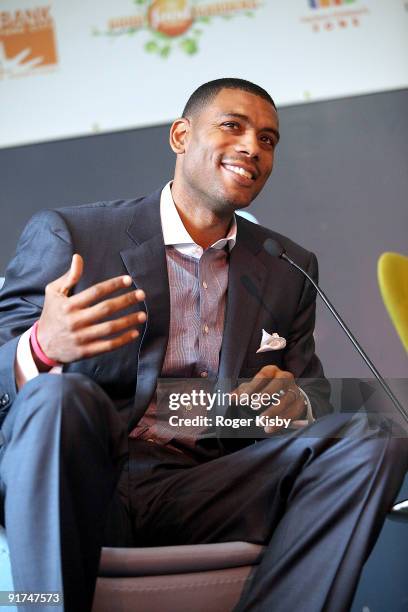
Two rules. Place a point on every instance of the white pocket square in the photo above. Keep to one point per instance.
(271, 342)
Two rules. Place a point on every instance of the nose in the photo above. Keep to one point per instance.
(248, 144)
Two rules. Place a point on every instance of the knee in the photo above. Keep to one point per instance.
(379, 439)
(51, 396)
(54, 384)
(392, 442)
(56, 387)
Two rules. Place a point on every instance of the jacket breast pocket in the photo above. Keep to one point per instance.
(259, 360)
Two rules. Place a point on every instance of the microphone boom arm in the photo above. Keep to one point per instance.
(356, 344)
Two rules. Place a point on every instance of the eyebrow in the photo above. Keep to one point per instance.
(247, 120)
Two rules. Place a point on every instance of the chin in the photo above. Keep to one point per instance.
(232, 199)
(230, 204)
(241, 200)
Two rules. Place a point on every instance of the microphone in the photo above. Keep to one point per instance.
(274, 248)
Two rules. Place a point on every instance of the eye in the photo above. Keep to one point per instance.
(269, 140)
(230, 124)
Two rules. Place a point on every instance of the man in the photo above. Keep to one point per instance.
(207, 294)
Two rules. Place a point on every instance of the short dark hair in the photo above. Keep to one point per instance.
(204, 94)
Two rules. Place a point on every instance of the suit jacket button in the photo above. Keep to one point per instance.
(5, 399)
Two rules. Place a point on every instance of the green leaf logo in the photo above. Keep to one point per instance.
(175, 23)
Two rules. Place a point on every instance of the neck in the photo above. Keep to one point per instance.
(204, 225)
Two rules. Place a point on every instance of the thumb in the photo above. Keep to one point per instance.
(68, 280)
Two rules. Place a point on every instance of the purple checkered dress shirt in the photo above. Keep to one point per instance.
(198, 283)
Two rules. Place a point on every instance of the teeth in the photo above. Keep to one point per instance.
(239, 170)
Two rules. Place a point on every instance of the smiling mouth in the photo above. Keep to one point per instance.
(240, 171)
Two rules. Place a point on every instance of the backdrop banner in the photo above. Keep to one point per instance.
(87, 66)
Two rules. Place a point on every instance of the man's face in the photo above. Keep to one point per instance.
(229, 150)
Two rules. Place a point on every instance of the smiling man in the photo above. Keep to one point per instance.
(225, 152)
(87, 458)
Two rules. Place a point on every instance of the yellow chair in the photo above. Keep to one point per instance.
(392, 272)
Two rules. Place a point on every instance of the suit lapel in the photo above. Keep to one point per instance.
(146, 263)
(246, 278)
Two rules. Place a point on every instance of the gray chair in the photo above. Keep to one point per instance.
(201, 577)
(164, 579)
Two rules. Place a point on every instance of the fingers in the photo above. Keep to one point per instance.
(274, 379)
(97, 292)
(279, 385)
(67, 281)
(108, 328)
(69, 326)
(292, 406)
(105, 346)
(270, 379)
(278, 403)
(286, 399)
(75, 272)
(106, 308)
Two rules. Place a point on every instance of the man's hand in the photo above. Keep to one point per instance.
(70, 327)
(278, 383)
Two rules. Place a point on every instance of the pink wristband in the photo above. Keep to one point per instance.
(38, 350)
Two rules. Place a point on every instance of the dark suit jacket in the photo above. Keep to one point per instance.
(125, 236)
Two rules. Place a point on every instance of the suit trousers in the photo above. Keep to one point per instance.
(317, 498)
(63, 451)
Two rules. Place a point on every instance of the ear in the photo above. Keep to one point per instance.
(179, 134)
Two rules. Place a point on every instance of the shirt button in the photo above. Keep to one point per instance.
(204, 374)
(188, 406)
(205, 285)
(206, 329)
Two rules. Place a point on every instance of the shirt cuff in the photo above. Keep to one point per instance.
(309, 414)
(24, 367)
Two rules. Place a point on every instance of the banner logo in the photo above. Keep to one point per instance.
(170, 18)
(175, 24)
(327, 3)
(27, 41)
(343, 14)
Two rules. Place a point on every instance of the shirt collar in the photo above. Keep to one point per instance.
(175, 234)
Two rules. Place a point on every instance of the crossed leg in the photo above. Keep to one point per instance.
(317, 499)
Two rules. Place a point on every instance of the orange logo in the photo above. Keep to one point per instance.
(27, 41)
(170, 17)
(175, 23)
